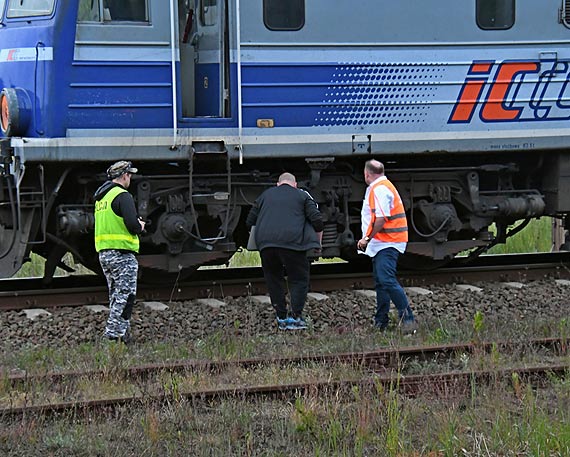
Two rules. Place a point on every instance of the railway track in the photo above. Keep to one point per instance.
(383, 358)
(18, 294)
(377, 368)
(445, 385)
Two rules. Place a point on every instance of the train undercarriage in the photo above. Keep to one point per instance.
(195, 209)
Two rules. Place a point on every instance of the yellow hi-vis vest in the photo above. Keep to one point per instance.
(110, 229)
(395, 228)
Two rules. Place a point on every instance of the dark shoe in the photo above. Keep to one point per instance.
(109, 339)
(409, 327)
(127, 338)
(381, 327)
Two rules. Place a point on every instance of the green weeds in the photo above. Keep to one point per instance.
(223, 345)
(478, 324)
(34, 268)
(360, 421)
(439, 334)
(536, 237)
(507, 418)
(395, 425)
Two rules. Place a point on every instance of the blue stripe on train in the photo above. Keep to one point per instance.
(139, 95)
(120, 95)
(336, 94)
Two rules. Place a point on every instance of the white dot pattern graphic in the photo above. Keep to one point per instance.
(374, 94)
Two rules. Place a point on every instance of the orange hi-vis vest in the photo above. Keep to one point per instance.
(395, 228)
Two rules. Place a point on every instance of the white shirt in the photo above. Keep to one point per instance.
(384, 204)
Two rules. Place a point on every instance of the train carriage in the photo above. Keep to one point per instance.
(467, 103)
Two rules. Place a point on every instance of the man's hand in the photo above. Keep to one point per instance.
(362, 244)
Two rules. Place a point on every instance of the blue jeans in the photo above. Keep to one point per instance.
(388, 288)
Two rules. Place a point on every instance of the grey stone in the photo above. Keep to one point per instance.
(513, 285)
(98, 308)
(263, 299)
(211, 302)
(366, 293)
(417, 291)
(154, 305)
(468, 287)
(317, 296)
(34, 313)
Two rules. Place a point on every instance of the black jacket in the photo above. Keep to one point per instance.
(286, 217)
(123, 205)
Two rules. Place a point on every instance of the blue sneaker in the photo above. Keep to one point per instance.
(284, 324)
(296, 324)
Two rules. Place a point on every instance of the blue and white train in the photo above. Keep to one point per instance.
(467, 102)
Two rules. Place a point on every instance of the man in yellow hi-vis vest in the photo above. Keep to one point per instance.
(384, 238)
(116, 240)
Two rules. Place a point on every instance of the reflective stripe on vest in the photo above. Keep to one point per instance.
(395, 228)
(110, 229)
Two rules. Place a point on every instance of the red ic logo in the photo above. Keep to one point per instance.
(494, 106)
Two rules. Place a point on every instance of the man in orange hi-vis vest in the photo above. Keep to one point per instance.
(384, 238)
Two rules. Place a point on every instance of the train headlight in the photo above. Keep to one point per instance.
(15, 111)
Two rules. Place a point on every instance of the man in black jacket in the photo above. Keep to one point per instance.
(287, 223)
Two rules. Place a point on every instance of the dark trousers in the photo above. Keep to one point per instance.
(389, 289)
(278, 262)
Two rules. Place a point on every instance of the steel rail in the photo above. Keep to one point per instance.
(89, 290)
(453, 384)
(377, 359)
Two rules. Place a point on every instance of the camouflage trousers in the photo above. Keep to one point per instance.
(120, 269)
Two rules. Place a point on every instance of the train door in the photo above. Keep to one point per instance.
(204, 59)
(188, 36)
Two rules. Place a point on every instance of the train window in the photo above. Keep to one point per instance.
(284, 14)
(113, 10)
(208, 12)
(495, 14)
(2, 5)
(89, 11)
(564, 13)
(29, 8)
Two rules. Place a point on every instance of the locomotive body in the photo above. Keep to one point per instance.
(466, 104)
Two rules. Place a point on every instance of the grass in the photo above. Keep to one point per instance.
(536, 237)
(35, 267)
(355, 422)
(227, 344)
(245, 258)
(506, 418)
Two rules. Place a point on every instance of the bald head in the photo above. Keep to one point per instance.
(373, 169)
(287, 178)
